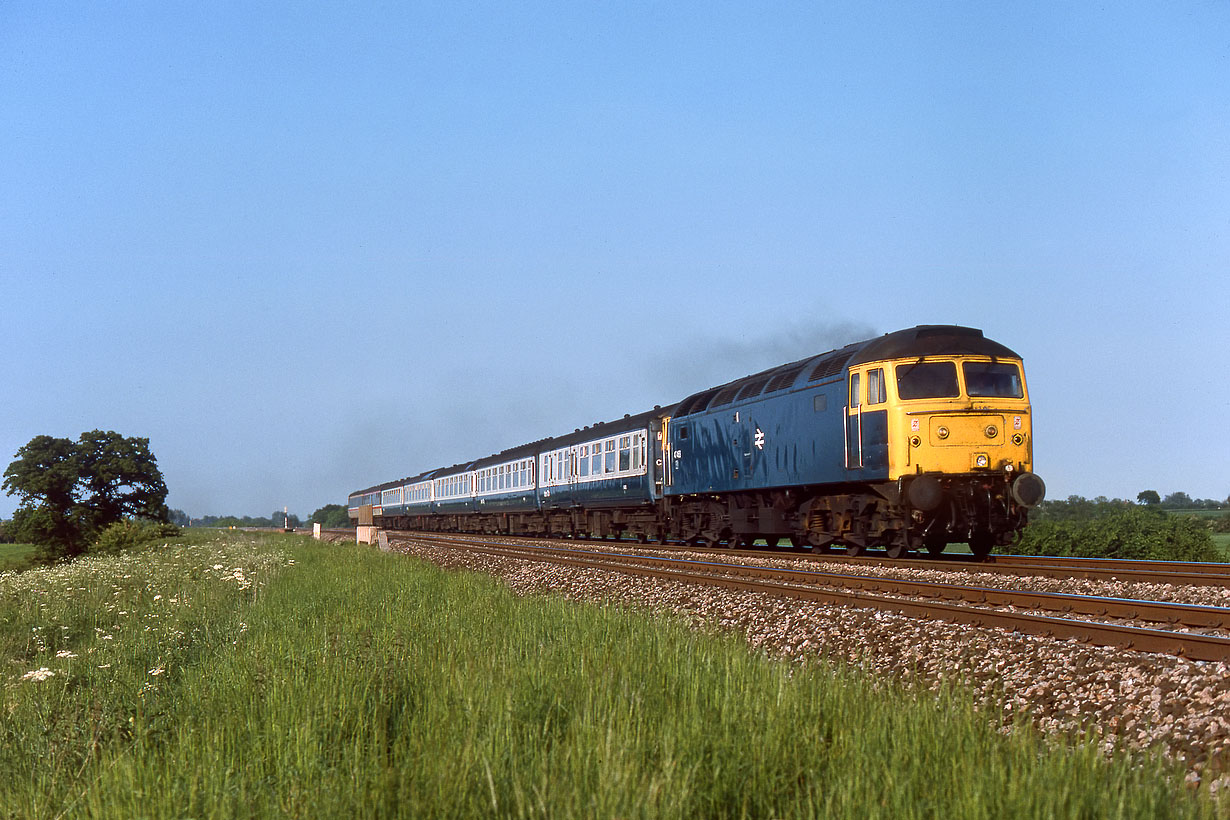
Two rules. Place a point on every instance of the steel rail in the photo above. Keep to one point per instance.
(1190, 645)
(1100, 569)
(1161, 612)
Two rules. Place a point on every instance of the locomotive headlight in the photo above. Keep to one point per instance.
(981, 460)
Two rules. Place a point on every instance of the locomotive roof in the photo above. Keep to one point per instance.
(924, 340)
(931, 340)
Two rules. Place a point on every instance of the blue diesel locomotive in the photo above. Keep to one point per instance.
(912, 440)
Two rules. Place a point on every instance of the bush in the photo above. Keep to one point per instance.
(1222, 523)
(130, 533)
(1136, 533)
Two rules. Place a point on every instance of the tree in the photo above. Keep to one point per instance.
(179, 518)
(331, 517)
(1178, 501)
(70, 491)
(1148, 497)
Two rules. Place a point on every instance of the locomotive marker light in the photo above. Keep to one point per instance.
(992, 431)
(941, 433)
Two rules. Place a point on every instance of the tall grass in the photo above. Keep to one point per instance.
(355, 683)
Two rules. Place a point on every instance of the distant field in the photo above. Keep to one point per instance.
(257, 675)
(15, 556)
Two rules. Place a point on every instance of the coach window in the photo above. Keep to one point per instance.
(637, 449)
(855, 395)
(583, 461)
(610, 456)
(876, 391)
(625, 453)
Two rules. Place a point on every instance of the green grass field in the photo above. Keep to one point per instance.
(246, 675)
(16, 556)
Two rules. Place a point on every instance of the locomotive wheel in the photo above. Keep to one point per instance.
(980, 544)
(935, 545)
(898, 549)
(771, 541)
(642, 538)
(855, 550)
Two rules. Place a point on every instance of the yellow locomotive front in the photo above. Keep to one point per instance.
(959, 445)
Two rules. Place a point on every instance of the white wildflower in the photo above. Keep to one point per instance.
(38, 675)
(158, 670)
(66, 653)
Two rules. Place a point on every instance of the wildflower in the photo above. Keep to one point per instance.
(65, 653)
(158, 670)
(38, 675)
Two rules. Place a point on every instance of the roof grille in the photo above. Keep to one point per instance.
(753, 388)
(829, 366)
(784, 378)
(725, 396)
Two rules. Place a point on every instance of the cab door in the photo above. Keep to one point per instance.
(867, 420)
(854, 421)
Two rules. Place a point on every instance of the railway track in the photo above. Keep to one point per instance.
(1012, 609)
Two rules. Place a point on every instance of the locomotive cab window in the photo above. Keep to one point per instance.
(876, 390)
(855, 393)
(927, 380)
(992, 379)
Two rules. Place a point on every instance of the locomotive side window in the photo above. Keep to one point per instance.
(1001, 381)
(876, 389)
(927, 380)
(855, 393)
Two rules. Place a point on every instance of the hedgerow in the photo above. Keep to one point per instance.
(1131, 532)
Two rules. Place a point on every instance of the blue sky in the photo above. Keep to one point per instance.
(304, 247)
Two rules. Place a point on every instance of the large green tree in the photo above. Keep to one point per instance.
(331, 516)
(69, 491)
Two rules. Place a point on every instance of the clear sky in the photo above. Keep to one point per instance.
(307, 247)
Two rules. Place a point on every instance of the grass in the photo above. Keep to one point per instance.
(250, 675)
(16, 556)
